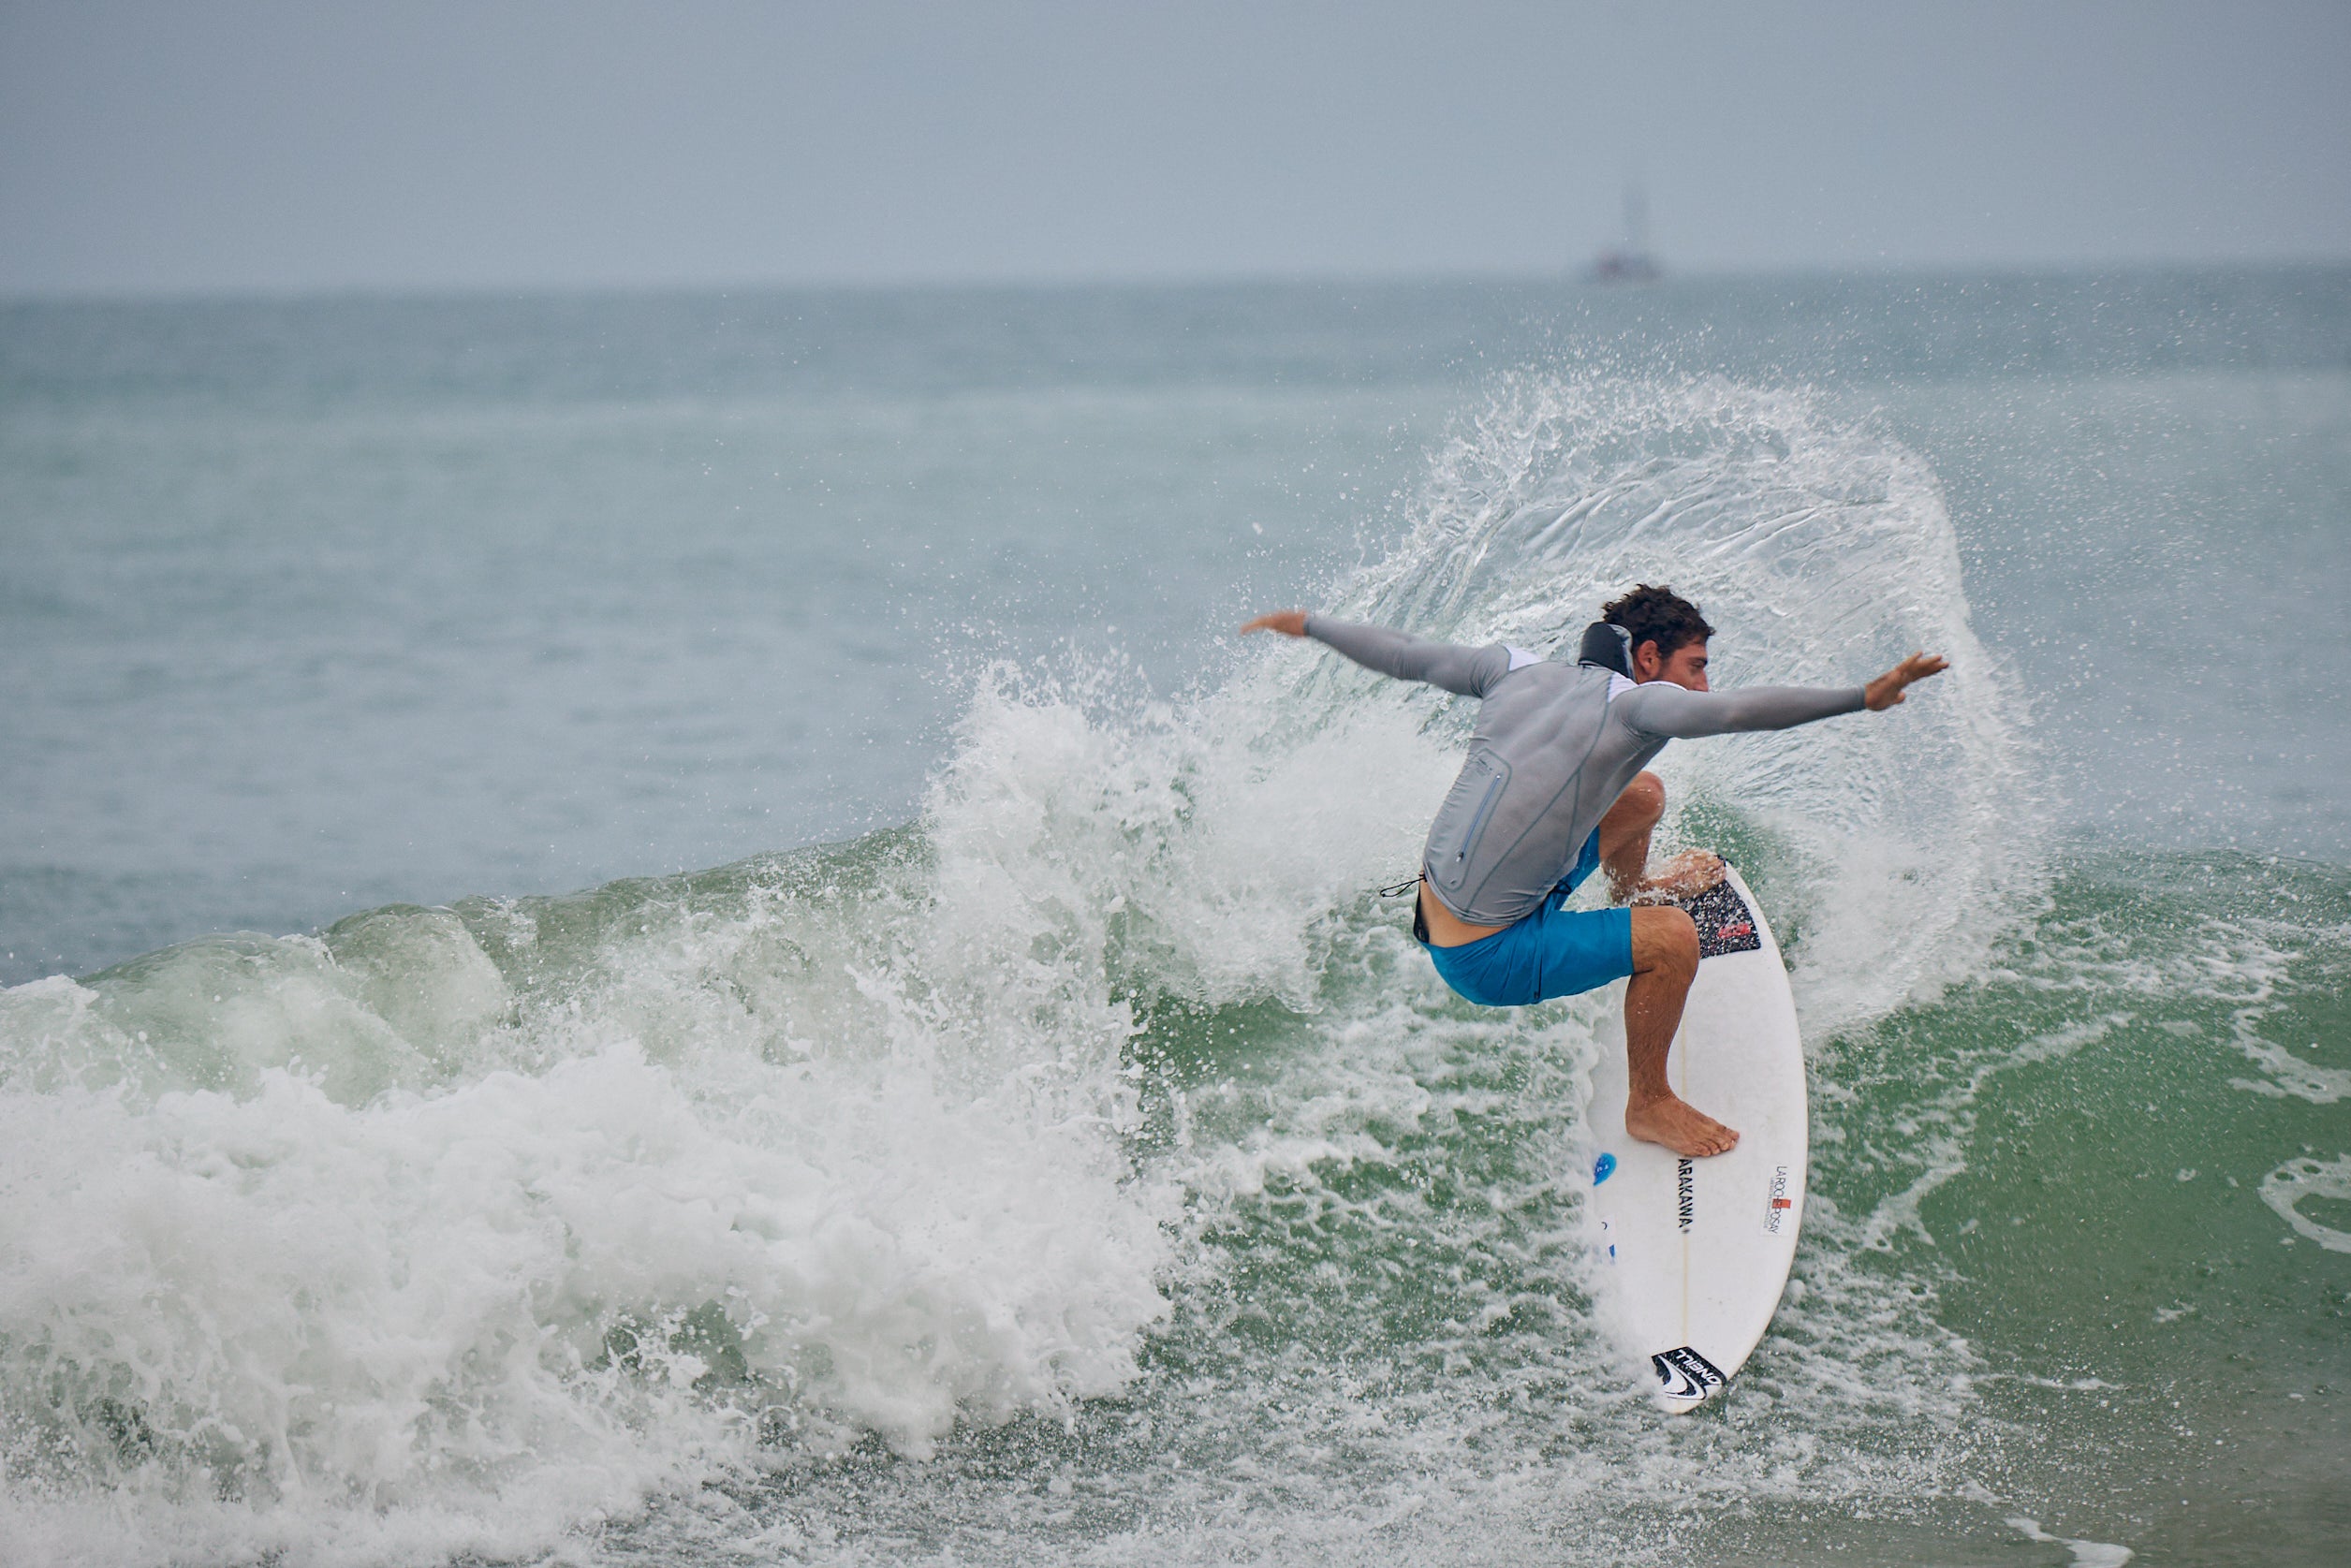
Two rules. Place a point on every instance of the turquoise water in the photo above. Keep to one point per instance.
(1031, 1139)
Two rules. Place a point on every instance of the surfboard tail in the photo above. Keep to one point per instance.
(1686, 1378)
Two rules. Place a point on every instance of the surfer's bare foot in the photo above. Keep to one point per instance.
(1671, 1120)
(1685, 876)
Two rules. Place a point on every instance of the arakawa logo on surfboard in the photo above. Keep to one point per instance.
(1775, 1213)
(1685, 1194)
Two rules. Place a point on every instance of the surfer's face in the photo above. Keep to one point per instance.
(1686, 667)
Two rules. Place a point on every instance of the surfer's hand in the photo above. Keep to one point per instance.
(1886, 690)
(1290, 623)
(1685, 876)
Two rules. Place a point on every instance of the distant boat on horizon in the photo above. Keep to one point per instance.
(1632, 262)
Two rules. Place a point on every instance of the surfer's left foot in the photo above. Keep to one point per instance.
(1671, 1120)
(1685, 876)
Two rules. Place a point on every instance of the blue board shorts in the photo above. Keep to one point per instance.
(1552, 952)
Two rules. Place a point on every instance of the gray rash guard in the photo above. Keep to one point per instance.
(1555, 745)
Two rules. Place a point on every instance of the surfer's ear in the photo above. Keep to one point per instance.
(1609, 646)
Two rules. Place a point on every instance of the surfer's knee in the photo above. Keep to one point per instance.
(1665, 939)
(1642, 803)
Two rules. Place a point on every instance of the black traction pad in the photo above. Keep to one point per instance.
(1724, 923)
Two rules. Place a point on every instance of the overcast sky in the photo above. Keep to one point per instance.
(242, 145)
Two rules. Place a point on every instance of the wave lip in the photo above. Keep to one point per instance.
(1903, 845)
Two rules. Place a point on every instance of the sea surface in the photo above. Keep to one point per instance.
(654, 930)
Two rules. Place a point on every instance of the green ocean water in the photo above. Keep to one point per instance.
(1035, 1140)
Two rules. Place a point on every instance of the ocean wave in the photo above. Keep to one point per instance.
(1096, 1159)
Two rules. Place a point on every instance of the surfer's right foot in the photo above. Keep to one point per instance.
(1674, 1122)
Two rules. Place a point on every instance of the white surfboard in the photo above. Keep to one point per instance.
(1697, 1251)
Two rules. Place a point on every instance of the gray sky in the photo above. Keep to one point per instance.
(177, 145)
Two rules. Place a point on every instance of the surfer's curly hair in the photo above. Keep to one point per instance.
(1656, 613)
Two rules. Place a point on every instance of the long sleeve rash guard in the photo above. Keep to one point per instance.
(1555, 745)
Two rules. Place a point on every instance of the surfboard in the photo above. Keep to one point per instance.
(1697, 1251)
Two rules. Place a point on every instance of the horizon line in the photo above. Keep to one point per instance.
(1579, 276)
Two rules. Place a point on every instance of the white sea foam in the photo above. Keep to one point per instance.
(2284, 1188)
(716, 1207)
(2086, 1554)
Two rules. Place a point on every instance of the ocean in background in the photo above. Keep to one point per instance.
(673, 929)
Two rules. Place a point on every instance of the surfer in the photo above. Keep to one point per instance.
(1554, 787)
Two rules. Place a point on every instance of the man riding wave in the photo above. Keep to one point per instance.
(1553, 787)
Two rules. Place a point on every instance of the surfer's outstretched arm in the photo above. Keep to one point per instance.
(1669, 711)
(1673, 712)
(1468, 671)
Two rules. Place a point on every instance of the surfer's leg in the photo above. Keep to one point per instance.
(1624, 833)
(1664, 961)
